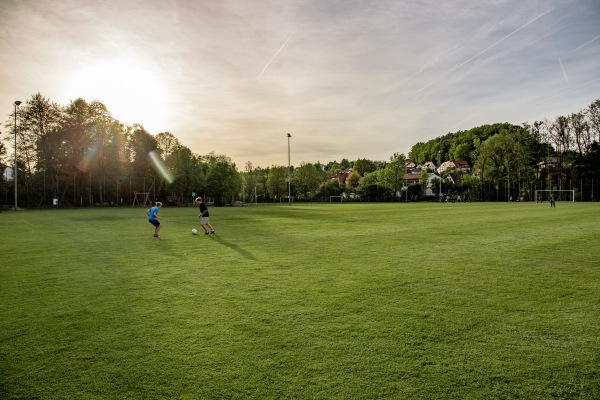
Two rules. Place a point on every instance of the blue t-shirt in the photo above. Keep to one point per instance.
(151, 216)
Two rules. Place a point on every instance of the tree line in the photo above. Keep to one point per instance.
(82, 156)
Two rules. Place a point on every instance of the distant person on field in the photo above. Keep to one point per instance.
(153, 217)
(204, 215)
(552, 204)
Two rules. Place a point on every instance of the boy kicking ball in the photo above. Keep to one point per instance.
(204, 215)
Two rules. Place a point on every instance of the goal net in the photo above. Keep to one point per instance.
(559, 195)
(336, 199)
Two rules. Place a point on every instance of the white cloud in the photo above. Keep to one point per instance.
(349, 79)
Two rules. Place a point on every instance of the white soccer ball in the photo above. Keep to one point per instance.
(194, 231)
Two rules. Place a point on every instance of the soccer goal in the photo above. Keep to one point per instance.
(559, 195)
(336, 199)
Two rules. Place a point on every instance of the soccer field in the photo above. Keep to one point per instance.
(315, 301)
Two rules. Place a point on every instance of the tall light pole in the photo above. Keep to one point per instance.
(439, 168)
(17, 104)
(289, 176)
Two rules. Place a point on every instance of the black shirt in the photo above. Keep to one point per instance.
(202, 209)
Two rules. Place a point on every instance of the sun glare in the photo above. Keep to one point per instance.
(132, 92)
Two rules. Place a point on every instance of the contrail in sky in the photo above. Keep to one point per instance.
(489, 47)
(271, 60)
(585, 44)
(501, 40)
(563, 92)
(564, 72)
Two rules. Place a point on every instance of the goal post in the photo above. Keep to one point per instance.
(542, 195)
(336, 199)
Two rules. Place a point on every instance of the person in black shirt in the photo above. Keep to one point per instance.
(204, 215)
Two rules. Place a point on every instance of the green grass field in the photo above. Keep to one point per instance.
(331, 301)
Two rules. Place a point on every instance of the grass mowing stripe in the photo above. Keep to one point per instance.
(302, 301)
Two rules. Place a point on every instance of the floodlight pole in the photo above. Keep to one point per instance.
(289, 176)
(439, 169)
(17, 104)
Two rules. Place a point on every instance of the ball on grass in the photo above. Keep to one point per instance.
(194, 231)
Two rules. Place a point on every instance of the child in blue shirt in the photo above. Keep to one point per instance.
(153, 217)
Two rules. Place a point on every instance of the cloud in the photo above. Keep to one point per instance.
(349, 79)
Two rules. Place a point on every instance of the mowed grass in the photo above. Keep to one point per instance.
(331, 301)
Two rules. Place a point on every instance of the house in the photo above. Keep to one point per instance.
(429, 166)
(340, 176)
(454, 178)
(446, 165)
(463, 166)
(452, 165)
(550, 162)
(409, 179)
(430, 178)
(416, 178)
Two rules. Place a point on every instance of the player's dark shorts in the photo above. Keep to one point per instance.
(154, 222)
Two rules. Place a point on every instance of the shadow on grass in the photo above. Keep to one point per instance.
(235, 247)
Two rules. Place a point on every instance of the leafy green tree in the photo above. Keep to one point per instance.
(392, 176)
(363, 166)
(307, 179)
(166, 143)
(345, 164)
(593, 118)
(141, 143)
(333, 187)
(222, 182)
(189, 174)
(333, 167)
(369, 187)
(250, 180)
(262, 181)
(277, 182)
(37, 118)
(414, 191)
(419, 153)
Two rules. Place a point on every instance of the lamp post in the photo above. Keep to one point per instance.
(17, 104)
(289, 176)
(439, 168)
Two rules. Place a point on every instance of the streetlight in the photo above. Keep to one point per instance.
(17, 104)
(289, 176)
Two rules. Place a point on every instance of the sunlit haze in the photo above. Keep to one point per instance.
(347, 79)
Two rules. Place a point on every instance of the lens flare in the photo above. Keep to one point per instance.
(160, 167)
(84, 164)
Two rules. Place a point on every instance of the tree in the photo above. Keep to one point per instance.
(332, 188)
(262, 181)
(222, 181)
(141, 143)
(352, 180)
(188, 171)
(593, 117)
(369, 187)
(363, 166)
(166, 143)
(277, 182)
(36, 118)
(249, 179)
(306, 179)
(393, 173)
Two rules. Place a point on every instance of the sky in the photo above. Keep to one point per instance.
(346, 78)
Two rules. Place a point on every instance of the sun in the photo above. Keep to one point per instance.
(133, 91)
